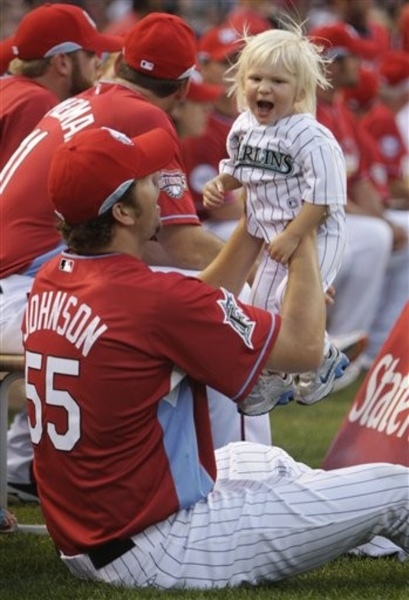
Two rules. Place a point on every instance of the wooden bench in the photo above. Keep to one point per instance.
(12, 366)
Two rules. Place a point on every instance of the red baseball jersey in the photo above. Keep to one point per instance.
(116, 361)
(202, 156)
(375, 163)
(381, 124)
(23, 181)
(23, 103)
(342, 123)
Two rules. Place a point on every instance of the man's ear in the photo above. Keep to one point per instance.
(182, 91)
(117, 62)
(123, 213)
(62, 64)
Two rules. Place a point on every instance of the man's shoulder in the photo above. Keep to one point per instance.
(133, 286)
(127, 105)
(304, 131)
(25, 89)
(379, 115)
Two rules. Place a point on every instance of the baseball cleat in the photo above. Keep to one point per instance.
(313, 386)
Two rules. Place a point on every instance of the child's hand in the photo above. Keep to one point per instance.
(330, 296)
(282, 247)
(213, 193)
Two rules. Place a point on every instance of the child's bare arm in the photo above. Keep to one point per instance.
(214, 190)
(284, 244)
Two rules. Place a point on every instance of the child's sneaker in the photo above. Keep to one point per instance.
(313, 386)
(271, 389)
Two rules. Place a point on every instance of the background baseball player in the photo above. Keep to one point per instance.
(115, 381)
(58, 51)
(373, 282)
(294, 174)
(152, 77)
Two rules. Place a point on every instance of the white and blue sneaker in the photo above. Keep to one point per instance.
(313, 386)
(271, 390)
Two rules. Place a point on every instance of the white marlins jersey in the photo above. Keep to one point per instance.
(281, 166)
(297, 159)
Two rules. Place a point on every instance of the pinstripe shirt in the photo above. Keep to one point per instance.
(282, 165)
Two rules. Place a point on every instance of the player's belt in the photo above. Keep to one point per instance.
(101, 556)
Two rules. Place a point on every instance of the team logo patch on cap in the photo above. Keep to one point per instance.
(236, 318)
(173, 183)
(147, 65)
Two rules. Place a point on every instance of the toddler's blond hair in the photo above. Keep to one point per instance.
(290, 49)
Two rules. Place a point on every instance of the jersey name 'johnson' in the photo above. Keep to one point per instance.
(64, 314)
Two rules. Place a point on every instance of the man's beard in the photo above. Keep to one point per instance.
(154, 238)
(79, 83)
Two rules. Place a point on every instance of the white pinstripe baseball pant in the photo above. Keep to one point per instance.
(270, 282)
(268, 518)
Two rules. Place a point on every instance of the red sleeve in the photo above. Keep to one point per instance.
(224, 343)
(175, 200)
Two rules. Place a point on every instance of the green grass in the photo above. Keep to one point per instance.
(31, 570)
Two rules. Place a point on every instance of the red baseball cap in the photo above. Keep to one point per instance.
(219, 43)
(403, 27)
(203, 92)
(340, 39)
(162, 46)
(6, 54)
(54, 28)
(92, 171)
(363, 94)
(248, 21)
(394, 68)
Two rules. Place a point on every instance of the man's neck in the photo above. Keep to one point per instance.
(163, 103)
(56, 86)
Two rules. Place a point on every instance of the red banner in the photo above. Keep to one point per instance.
(377, 426)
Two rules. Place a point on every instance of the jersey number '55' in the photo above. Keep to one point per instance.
(50, 366)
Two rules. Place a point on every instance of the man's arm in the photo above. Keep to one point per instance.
(232, 266)
(185, 247)
(300, 343)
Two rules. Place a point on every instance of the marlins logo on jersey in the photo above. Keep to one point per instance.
(173, 183)
(236, 318)
(265, 158)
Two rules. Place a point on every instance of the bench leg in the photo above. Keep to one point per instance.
(4, 391)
